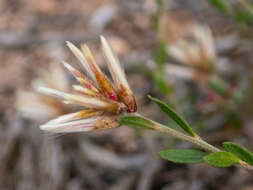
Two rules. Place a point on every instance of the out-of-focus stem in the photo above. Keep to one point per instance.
(247, 6)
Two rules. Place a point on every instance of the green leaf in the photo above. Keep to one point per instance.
(239, 151)
(221, 159)
(173, 115)
(221, 5)
(135, 121)
(183, 156)
(243, 17)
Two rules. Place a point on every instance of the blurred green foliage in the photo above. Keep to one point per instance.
(222, 5)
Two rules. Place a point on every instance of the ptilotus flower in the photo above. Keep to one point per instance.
(198, 52)
(102, 101)
(37, 107)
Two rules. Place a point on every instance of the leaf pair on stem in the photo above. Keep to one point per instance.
(232, 154)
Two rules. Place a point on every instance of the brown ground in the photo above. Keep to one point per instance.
(32, 34)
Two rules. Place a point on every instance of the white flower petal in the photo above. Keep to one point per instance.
(80, 77)
(58, 77)
(123, 90)
(177, 53)
(103, 82)
(31, 106)
(81, 58)
(179, 71)
(82, 100)
(83, 90)
(51, 92)
(75, 116)
(115, 69)
(73, 126)
(63, 118)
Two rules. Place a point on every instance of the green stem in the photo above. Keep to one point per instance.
(194, 140)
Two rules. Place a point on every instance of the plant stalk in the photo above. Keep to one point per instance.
(194, 140)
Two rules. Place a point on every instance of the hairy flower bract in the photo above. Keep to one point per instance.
(102, 101)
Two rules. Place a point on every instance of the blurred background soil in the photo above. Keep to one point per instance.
(33, 35)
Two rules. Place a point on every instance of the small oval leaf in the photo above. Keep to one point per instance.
(221, 159)
(239, 151)
(183, 156)
(135, 121)
(173, 115)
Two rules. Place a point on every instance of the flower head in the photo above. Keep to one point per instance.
(198, 51)
(102, 100)
(37, 107)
